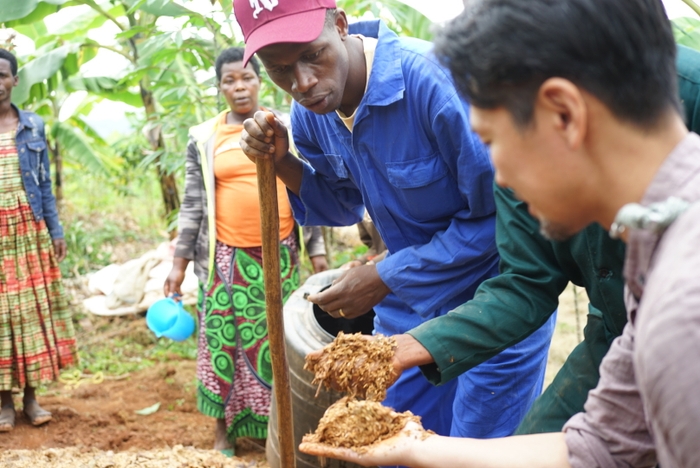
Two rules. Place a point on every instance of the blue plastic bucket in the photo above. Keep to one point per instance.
(167, 317)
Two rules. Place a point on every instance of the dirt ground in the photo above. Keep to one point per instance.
(102, 416)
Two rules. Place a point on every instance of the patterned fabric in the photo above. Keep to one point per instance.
(233, 360)
(36, 332)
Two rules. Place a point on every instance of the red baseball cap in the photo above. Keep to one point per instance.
(266, 22)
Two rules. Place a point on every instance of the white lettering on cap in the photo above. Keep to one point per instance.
(257, 7)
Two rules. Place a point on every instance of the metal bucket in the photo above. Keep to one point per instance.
(308, 328)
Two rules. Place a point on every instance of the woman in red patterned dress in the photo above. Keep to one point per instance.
(36, 332)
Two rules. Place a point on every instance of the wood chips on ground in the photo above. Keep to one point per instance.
(356, 365)
(176, 457)
(358, 424)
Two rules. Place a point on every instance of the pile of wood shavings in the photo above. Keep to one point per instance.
(176, 457)
(353, 364)
(358, 424)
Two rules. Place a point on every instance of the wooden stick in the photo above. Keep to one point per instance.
(267, 190)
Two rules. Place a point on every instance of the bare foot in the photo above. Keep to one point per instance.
(221, 441)
(35, 413)
(7, 418)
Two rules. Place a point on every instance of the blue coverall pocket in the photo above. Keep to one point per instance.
(338, 165)
(425, 188)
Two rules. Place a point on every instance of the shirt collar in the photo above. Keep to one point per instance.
(676, 172)
(672, 179)
(24, 119)
(386, 84)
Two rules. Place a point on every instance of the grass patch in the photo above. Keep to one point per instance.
(124, 355)
(104, 224)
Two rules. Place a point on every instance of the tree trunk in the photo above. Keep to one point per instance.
(168, 184)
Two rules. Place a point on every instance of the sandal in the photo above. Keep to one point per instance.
(36, 414)
(7, 419)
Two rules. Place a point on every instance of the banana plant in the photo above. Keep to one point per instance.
(403, 19)
(160, 77)
(47, 78)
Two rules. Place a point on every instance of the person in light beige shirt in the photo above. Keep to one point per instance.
(578, 101)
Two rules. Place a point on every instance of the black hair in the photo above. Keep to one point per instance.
(233, 54)
(10, 57)
(620, 51)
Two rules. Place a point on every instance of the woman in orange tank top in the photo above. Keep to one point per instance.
(219, 229)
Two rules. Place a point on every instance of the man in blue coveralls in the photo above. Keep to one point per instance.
(382, 126)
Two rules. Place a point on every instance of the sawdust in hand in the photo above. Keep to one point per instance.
(355, 365)
(358, 424)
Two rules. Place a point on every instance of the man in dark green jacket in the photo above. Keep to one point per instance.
(534, 271)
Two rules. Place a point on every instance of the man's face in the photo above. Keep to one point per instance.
(314, 73)
(7, 81)
(535, 164)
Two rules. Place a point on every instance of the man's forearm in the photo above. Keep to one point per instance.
(540, 450)
(410, 353)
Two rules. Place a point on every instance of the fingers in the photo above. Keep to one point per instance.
(319, 263)
(261, 134)
(351, 264)
(334, 303)
(321, 450)
(170, 288)
(254, 145)
(278, 127)
(315, 355)
(172, 284)
(59, 249)
(326, 297)
(333, 307)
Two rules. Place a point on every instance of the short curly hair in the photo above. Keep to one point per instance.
(233, 54)
(10, 57)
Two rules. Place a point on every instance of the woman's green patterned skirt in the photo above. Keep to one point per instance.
(234, 368)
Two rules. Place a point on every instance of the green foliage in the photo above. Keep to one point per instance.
(90, 245)
(687, 32)
(403, 19)
(134, 352)
(103, 225)
(78, 141)
(342, 254)
(37, 71)
(104, 87)
(15, 12)
(158, 7)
